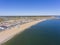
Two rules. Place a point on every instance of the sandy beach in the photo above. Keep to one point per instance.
(10, 33)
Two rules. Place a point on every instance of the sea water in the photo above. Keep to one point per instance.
(43, 33)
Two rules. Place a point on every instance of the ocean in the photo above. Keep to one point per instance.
(43, 33)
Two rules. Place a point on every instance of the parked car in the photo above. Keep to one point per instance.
(3, 27)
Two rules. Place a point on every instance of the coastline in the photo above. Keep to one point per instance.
(10, 33)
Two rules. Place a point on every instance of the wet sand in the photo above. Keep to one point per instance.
(10, 33)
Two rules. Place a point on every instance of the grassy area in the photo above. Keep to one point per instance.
(1, 19)
(23, 17)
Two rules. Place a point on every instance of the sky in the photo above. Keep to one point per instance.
(29, 7)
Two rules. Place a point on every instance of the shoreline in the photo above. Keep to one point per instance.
(10, 33)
